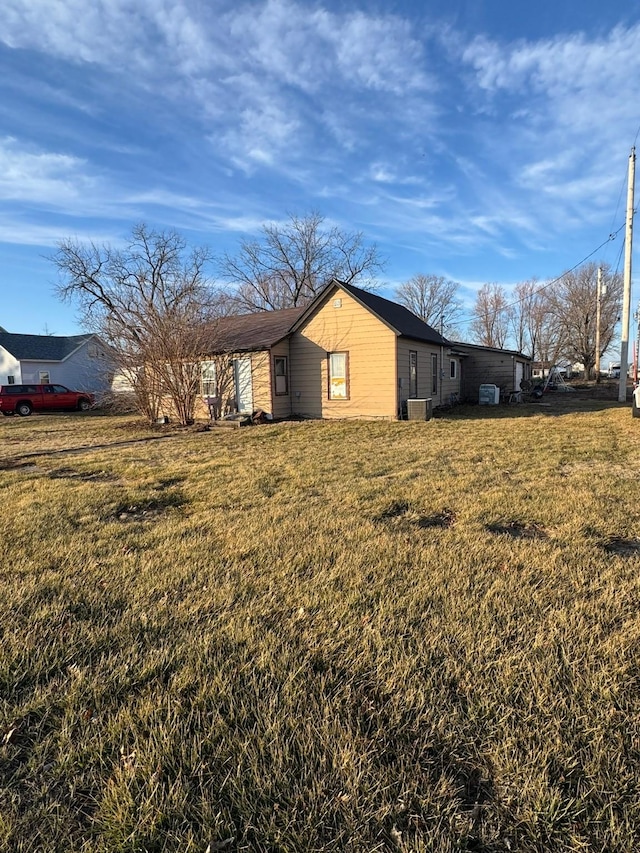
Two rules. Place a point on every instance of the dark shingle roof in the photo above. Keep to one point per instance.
(399, 318)
(41, 347)
(258, 331)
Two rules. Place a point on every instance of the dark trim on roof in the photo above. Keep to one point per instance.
(513, 352)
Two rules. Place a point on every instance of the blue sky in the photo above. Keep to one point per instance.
(483, 141)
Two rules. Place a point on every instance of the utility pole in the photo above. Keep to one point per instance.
(598, 311)
(626, 299)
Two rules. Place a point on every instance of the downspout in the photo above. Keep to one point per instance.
(397, 381)
(441, 357)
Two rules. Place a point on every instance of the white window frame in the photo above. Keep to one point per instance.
(338, 376)
(281, 379)
(208, 382)
(453, 369)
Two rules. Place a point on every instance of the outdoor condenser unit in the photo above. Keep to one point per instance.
(489, 395)
(420, 410)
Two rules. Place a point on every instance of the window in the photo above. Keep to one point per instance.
(338, 375)
(281, 374)
(11, 380)
(413, 374)
(44, 377)
(453, 369)
(434, 374)
(208, 378)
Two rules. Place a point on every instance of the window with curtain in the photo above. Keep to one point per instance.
(338, 375)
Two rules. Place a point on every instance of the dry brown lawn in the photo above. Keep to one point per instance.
(322, 636)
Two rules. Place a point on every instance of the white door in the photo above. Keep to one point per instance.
(519, 374)
(244, 389)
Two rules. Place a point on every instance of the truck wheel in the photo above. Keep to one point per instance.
(24, 409)
(83, 405)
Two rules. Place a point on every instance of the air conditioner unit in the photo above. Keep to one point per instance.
(420, 410)
(489, 395)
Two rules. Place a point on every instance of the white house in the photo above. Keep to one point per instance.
(80, 362)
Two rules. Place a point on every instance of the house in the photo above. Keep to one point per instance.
(507, 369)
(355, 354)
(347, 354)
(80, 362)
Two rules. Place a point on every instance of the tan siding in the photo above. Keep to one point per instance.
(446, 385)
(261, 380)
(482, 367)
(372, 362)
(451, 388)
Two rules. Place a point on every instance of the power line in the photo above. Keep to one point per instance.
(612, 236)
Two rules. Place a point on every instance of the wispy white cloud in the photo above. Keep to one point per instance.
(54, 179)
(572, 102)
(263, 70)
(510, 144)
(24, 232)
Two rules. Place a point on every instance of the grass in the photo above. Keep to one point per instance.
(317, 637)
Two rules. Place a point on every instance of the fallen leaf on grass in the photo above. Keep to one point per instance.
(10, 735)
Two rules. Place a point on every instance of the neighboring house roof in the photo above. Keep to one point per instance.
(397, 317)
(258, 331)
(41, 347)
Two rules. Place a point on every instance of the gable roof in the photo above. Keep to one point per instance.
(399, 319)
(41, 347)
(257, 331)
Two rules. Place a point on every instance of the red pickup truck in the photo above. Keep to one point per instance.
(27, 398)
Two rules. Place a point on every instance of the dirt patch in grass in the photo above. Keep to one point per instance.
(401, 511)
(148, 509)
(621, 546)
(85, 476)
(517, 530)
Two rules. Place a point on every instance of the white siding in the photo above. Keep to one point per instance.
(9, 366)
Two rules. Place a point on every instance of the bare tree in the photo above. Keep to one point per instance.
(152, 303)
(524, 316)
(491, 316)
(573, 302)
(434, 299)
(290, 263)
